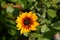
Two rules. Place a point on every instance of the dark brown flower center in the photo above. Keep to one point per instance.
(27, 21)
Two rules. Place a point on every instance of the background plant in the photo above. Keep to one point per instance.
(48, 12)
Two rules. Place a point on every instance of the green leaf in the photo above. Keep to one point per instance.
(43, 38)
(3, 3)
(47, 21)
(51, 13)
(44, 28)
(47, 3)
(35, 35)
(26, 34)
(11, 26)
(44, 13)
(56, 1)
(9, 9)
(10, 22)
(56, 25)
(30, 1)
(12, 32)
(49, 34)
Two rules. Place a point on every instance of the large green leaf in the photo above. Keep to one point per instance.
(56, 25)
(51, 13)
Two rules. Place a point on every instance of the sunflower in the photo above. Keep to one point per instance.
(27, 22)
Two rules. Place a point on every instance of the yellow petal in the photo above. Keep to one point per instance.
(26, 30)
(29, 14)
(32, 28)
(35, 24)
(19, 26)
(23, 15)
(22, 31)
(34, 17)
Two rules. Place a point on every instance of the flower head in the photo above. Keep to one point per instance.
(26, 22)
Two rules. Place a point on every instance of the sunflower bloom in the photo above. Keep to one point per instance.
(27, 22)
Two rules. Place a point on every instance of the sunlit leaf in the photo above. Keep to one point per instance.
(44, 28)
(51, 13)
(9, 9)
(25, 34)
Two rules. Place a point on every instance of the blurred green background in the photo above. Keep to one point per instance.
(48, 12)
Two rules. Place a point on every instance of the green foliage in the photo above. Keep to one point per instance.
(48, 12)
(44, 29)
(51, 13)
(56, 25)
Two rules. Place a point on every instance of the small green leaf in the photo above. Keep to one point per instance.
(44, 28)
(51, 13)
(56, 25)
